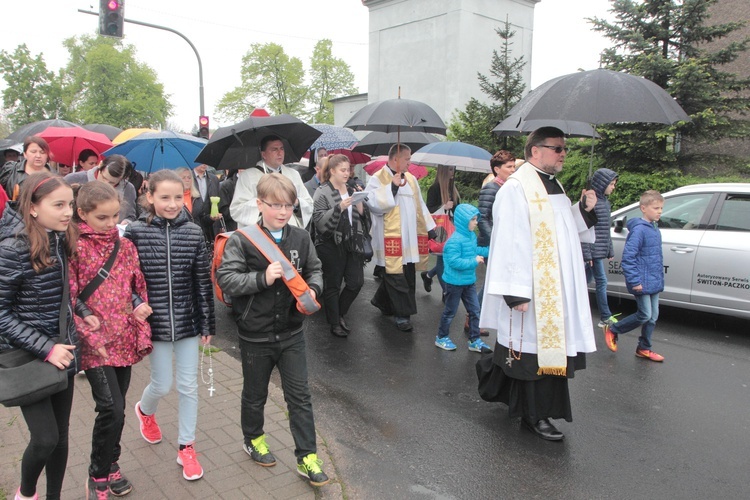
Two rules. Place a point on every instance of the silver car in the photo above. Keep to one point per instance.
(705, 230)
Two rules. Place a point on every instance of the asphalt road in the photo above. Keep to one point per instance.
(403, 420)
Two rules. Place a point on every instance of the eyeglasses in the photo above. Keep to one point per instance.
(279, 206)
(556, 149)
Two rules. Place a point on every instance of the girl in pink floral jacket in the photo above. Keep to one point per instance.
(119, 336)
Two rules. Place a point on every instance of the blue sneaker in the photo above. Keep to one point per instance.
(445, 343)
(478, 345)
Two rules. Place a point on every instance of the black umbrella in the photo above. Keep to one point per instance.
(238, 146)
(600, 96)
(515, 125)
(20, 134)
(110, 131)
(379, 143)
(397, 115)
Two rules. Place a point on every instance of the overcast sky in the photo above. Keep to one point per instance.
(222, 31)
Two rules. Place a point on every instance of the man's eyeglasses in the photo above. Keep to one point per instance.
(279, 206)
(556, 149)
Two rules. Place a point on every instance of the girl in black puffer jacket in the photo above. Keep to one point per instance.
(36, 239)
(175, 263)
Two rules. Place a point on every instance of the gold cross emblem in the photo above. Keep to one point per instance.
(538, 200)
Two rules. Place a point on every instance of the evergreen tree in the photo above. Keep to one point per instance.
(670, 43)
(504, 86)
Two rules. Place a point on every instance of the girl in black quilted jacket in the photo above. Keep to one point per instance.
(175, 263)
(36, 239)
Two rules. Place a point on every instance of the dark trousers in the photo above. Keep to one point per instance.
(109, 385)
(396, 294)
(340, 265)
(48, 421)
(258, 361)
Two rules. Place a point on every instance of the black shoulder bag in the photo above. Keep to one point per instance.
(24, 378)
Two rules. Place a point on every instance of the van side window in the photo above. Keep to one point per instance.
(735, 214)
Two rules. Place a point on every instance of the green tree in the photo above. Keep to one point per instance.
(670, 43)
(504, 86)
(32, 92)
(105, 83)
(330, 77)
(269, 77)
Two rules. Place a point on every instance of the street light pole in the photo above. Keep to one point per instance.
(149, 25)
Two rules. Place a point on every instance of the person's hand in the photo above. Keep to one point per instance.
(360, 208)
(61, 355)
(216, 217)
(588, 197)
(522, 307)
(590, 263)
(346, 203)
(448, 205)
(314, 295)
(638, 288)
(273, 272)
(396, 179)
(206, 339)
(480, 259)
(142, 312)
(102, 352)
(92, 322)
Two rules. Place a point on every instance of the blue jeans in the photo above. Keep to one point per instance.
(453, 295)
(600, 275)
(646, 315)
(186, 377)
(258, 361)
(438, 271)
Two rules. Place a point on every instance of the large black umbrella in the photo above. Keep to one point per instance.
(238, 146)
(397, 115)
(379, 143)
(34, 128)
(515, 125)
(600, 96)
(109, 130)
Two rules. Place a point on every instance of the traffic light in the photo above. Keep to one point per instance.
(203, 127)
(111, 17)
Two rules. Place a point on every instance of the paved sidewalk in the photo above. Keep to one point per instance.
(229, 472)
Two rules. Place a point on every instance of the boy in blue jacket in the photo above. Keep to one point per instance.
(643, 267)
(461, 256)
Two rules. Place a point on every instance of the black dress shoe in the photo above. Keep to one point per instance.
(544, 429)
(427, 281)
(404, 325)
(343, 325)
(338, 331)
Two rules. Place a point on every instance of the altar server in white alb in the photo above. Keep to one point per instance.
(535, 292)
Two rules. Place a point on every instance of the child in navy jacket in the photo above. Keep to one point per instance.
(643, 266)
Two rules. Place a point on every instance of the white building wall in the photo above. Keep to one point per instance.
(433, 49)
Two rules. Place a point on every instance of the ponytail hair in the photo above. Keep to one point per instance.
(34, 189)
(333, 162)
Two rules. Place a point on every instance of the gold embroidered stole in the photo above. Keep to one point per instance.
(392, 241)
(548, 304)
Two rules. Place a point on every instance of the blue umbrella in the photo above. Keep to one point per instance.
(453, 154)
(333, 137)
(152, 151)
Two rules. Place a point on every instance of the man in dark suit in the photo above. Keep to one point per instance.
(208, 186)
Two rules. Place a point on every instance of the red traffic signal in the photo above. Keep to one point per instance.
(111, 17)
(203, 127)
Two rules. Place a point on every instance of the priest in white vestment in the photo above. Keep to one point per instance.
(535, 292)
(401, 226)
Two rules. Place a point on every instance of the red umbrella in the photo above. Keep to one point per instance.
(379, 162)
(355, 157)
(65, 144)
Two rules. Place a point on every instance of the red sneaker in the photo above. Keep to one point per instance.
(645, 353)
(610, 338)
(191, 469)
(149, 428)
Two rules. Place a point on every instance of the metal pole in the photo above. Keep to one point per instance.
(149, 25)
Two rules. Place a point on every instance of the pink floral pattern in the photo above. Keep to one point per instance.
(126, 339)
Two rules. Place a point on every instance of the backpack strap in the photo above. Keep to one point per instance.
(101, 275)
(306, 304)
